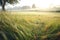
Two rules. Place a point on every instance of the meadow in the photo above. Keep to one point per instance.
(29, 26)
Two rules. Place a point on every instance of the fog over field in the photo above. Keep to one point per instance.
(30, 20)
(46, 5)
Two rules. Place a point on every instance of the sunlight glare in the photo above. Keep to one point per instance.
(42, 4)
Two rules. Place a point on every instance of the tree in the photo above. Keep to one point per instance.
(33, 6)
(25, 7)
(3, 3)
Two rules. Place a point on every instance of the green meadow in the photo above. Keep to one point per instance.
(29, 25)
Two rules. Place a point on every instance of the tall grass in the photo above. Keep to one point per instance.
(20, 27)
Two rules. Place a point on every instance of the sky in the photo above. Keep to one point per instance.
(39, 3)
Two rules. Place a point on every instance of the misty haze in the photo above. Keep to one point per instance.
(29, 19)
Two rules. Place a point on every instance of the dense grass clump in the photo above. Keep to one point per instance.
(28, 27)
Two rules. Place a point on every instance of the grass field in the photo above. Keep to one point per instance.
(29, 26)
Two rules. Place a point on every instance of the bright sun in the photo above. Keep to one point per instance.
(43, 4)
